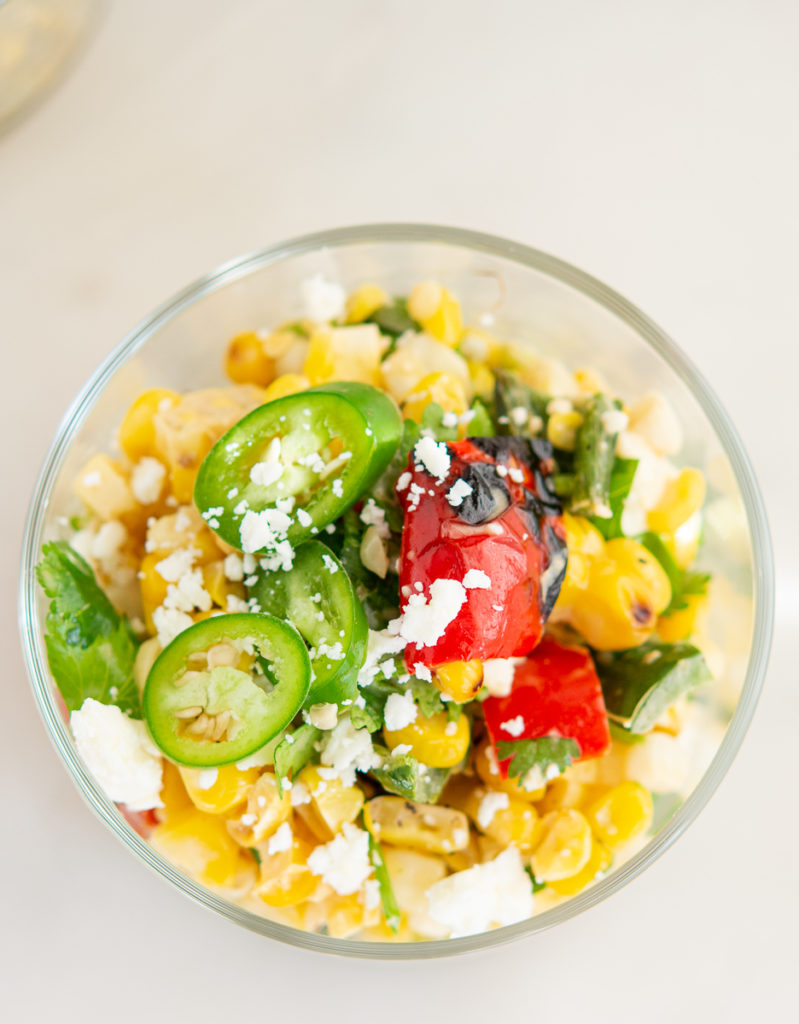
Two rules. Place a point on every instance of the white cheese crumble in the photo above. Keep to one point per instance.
(233, 567)
(422, 672)
(518, 415)
(498, 675)
(380, 648)
(303, 518)
(323, 300)
(513, 726)
(347, 750)
(270, 469)
(489, 805)
(401, 749)
(559, 405)
(281, 840)
(119, 754)
(485, 896)
(266, 530)
(169, 622)
(300, 794)
(403, 480)
(329, 564)
(449, 419)
(400, 710)
(423, 622)
(207, 778)
(343, 862)
(614, 421)
(459, 490)
(476, 579)
(433, 455)
(147, 479)
(323, 716)
(373, 515)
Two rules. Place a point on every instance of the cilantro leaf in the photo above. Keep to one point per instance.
(481, 424)
(682, 583)
(621, 480)
(394, 319)
(379, 597)
(295, 751)
(91, 648)
(537, 886)
(433, 421)
(404, 776)
(541, 753)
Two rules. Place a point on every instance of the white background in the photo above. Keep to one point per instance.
(654, 145)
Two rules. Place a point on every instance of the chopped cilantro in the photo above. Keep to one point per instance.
(541, 753)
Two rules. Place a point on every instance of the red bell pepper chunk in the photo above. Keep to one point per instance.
(556, 692)
(507, 526)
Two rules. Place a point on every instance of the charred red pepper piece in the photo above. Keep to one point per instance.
(556, 692)
(502, 519)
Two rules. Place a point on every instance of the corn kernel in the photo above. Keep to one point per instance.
(104, 489)
(486, 766)
(181, 530)
(137, 432)
(596, 865)
(284, 877)
(345, 353)
(145, 658)
(682, 497)
(153, 588)
(482, 379)
(267, 809)
(565, 846)
(216, 790)
(437, 311)
(414, 358)
(412, 873)
(681, 624)
(430, 827)
(200, 845)
(562, 429)
(434, 741)
(219, 586)
(459, 680)
(444, 389)
(621, 814)
(174, 798)
(365, 301)
(504, 818)
(588, 381)
(332, 804)
(288, 384)
(561, 794)
(683, 544)
(246, 362)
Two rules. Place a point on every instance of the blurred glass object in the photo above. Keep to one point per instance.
(37, 40)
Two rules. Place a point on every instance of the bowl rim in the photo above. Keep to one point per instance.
(403, 233)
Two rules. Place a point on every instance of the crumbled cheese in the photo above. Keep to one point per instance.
(451, 728)
(270, 469)
(373, 515)
(92, 479)
(371, 894)
(422, 672)
(188, 594)
(485, 896)
(323, 716)
(177, 564)
(380, 645)
(323, 300)
(433, 455)
(338, 487)
(513, 726)
(300, 794)
(559, 405)
(423, 622)
(400, 710)
(233, 567)
(263, 530)
(303, 518)
(147, 479)
(344, 862)
(449, 419)
(459, 490)
(119, 754)
(329, 564)
(169, 622)
(403, 480)
(234, 603)
(207, 778)
(347, 750)
(402, 749)
(281, 840)
(476, 579)
(614, 421)
(516, 475)
(489, 805)
(518, 415)
(498, 675)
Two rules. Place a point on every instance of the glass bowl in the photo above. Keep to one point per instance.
(529, 296)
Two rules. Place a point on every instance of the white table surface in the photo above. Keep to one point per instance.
(654, 145)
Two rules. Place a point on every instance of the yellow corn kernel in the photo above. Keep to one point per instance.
(459, 680)
(219, 586)
(174, 797)
(503, 818)
(588, 381)
(434, 741)
(345, 353)
(621, 814)
(200, 845)
(562, 429)
(332, 804)
(346, 915)
(246, 362)
(584, 543)
(561, 794)
(365, 301)
(284, 876)
(682, 497)
(412, 873)
(267, 808)
(597, 864)
(216, 790)
(437, 311)
(626, 591)
(153, 588)
(137, 432)
(181, 530)
(416, 356)
(681, 624)
(683, 544)
(565, 846)
(485, 763)
(442, 388)
(104, 489)
(482, 380)
(145, 658)
(430, 827)
(288, 384)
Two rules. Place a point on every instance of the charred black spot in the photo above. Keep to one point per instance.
(642, 613)
(489, 497)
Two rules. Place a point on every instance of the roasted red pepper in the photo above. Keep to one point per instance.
(491, 510)
(556, 692)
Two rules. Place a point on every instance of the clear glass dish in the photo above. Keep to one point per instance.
(527, 295)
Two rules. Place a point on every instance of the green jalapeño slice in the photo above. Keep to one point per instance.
(224, 687)
(316, 596)
(292, 466)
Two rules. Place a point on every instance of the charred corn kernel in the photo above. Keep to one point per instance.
(184, 529)
(682, 497)
(626, 590)
(267, 808)
(104, 489)
(345, 353)
(137, 433)
(438, 312)
(332, 803)
(565, 846)
(288, 384)
(217, 790)
(681, 624)
(597, 864)
(504, 818)
(365, 301)
(145, 657)
(485, 763)
(459, 680)
(435, 741)
(219, 586)
(562, 429)
(621, 814)
(174, 798)
(683, 544)
(444, 389)
(246, 362)
(153, 588)
(584, 543)
(201, 846)
(430, 827)
(482, 380)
